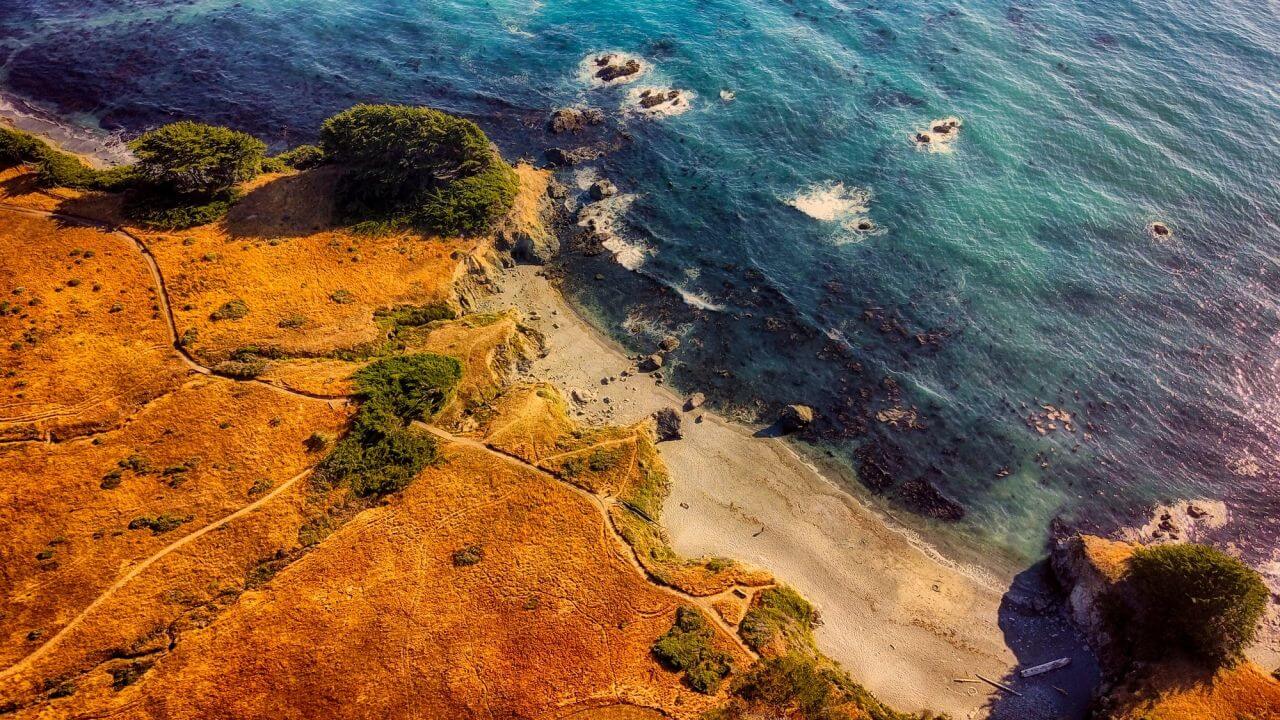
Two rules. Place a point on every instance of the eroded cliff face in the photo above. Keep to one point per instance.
(1092, 571)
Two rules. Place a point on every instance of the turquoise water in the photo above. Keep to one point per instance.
(1012, 272)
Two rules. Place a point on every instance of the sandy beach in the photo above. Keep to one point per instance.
(902, 622)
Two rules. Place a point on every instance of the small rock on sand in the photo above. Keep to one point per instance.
(652, 363)
(694, 401)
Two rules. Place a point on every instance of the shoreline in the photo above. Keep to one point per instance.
(95, 146)
(899, 616)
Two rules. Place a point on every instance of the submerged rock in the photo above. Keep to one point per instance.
(574, 119)
(559, 157)
(795, 417)
(924, 498)
(669, 343)
(668, 422)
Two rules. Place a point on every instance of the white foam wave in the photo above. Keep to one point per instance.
(694, 300)
(833, 202)
(603, 216)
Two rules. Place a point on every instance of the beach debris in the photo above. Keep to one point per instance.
(903, 417)
(694, 401)
(759, 532)
(795, 417)
(602, 189)
(653, 363)
(1045, 667)
(668, 424)
(1048, 418)
(995, 684)
(572, 119)
(1159, 231)
(939, 136)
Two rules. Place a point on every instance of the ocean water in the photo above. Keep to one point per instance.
(1007, 269)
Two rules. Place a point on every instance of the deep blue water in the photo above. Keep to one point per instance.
(1012, 272)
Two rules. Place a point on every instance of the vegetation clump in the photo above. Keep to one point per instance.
(230, 310)
(158, 524)
(414, 166)
(687, 646)
(56, 168)
(303, 157)
(383, 452)
(187, 173)
(809, 688)
(1198, 599)
(779, 615)
(468, 556)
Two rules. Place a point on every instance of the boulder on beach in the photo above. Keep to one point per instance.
(668, 424)
(795, 417)
(694, 401)
(652, 363)
(602, 189)
(669, 343)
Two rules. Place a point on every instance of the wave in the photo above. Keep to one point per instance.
(833, 202)
(694, 300)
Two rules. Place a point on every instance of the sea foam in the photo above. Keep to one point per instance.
(833, 202)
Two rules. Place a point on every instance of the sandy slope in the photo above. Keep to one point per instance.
(901, 622)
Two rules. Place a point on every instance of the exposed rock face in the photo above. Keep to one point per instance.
(923, 497)
(795, 417)
(574, 119)
(1088, 568)
(559, 157)
(668, 421)
(652, 363)
(610, 72)
(602, 189)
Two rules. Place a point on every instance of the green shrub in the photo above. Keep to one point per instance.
(415, 315)
(126, 675)
(59, 169)
(687, 646)
(160, 210)
(230, 310)
(382, 453)
(1197, 598)
(188, 158)
(158, 524)
(778, 612)
(241, 369)
(415, 165)
(303, 157)
(470, 205)
(468, 556)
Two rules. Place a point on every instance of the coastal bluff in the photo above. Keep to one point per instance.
(1167, 684)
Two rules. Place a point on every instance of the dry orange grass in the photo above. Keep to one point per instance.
(193, 454)
(310, 287)
(379, 621)
(1177, 692)
(85, 343)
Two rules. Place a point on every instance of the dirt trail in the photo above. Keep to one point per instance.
(603, 505)
(162, 293)
(140, 568)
